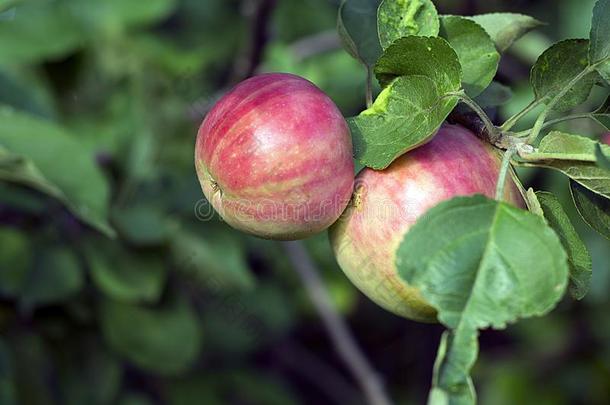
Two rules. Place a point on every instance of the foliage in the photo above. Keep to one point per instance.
(118, 284)
(471, 258)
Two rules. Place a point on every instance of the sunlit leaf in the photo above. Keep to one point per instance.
(397, 19)
(426, 56)
(410, 109)
(563, 146)
(505, 28)
(405, 115)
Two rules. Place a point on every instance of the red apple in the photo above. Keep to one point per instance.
(274, 158)
(387, 203)
(606, 138)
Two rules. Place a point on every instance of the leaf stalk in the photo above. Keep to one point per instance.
(504, 171)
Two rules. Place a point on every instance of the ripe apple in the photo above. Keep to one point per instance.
(274, 158)
(606, 138)
(387, 203)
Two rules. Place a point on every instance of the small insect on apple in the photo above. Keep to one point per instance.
(274, 158)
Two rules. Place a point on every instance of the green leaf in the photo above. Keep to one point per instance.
(556, 152)
(166, 341)
(27, 91)
(588, 175)
(495, 95)
(409, 111)
(55, 277)
(476, 52)
(602, 114)
(114, 15)
(556, 68)
(8, 4)
(142, 224)
(25, 38)
(594, 209)
(579, 258)
(212, 258)
(563, 146)
(405, 115)
(471, 257)
(505, 28)
(62, 160)
(357, 26)
(71, 24)
(397, 19)
(426, 56)
(599, 49)
(123, 275)
(451, 382)
(17, 169)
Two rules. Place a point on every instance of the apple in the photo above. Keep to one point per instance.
(274, 158)
(387, 203)
(606, 138)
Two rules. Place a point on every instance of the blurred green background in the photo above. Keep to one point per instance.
(118, 285)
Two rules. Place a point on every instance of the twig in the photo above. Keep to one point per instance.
(340, 335)
(504, 171)
(260, 12)
(315, 44)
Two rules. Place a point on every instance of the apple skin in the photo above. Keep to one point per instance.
(387, 203)
(606, 138)
(274, 158)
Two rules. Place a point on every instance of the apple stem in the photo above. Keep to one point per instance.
(342, 339)
(369, 87)
(491, 132)
(504, 171)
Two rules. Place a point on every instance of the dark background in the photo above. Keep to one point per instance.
(179, 308)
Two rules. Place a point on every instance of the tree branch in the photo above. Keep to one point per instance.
(344, 342)
(260, 12)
